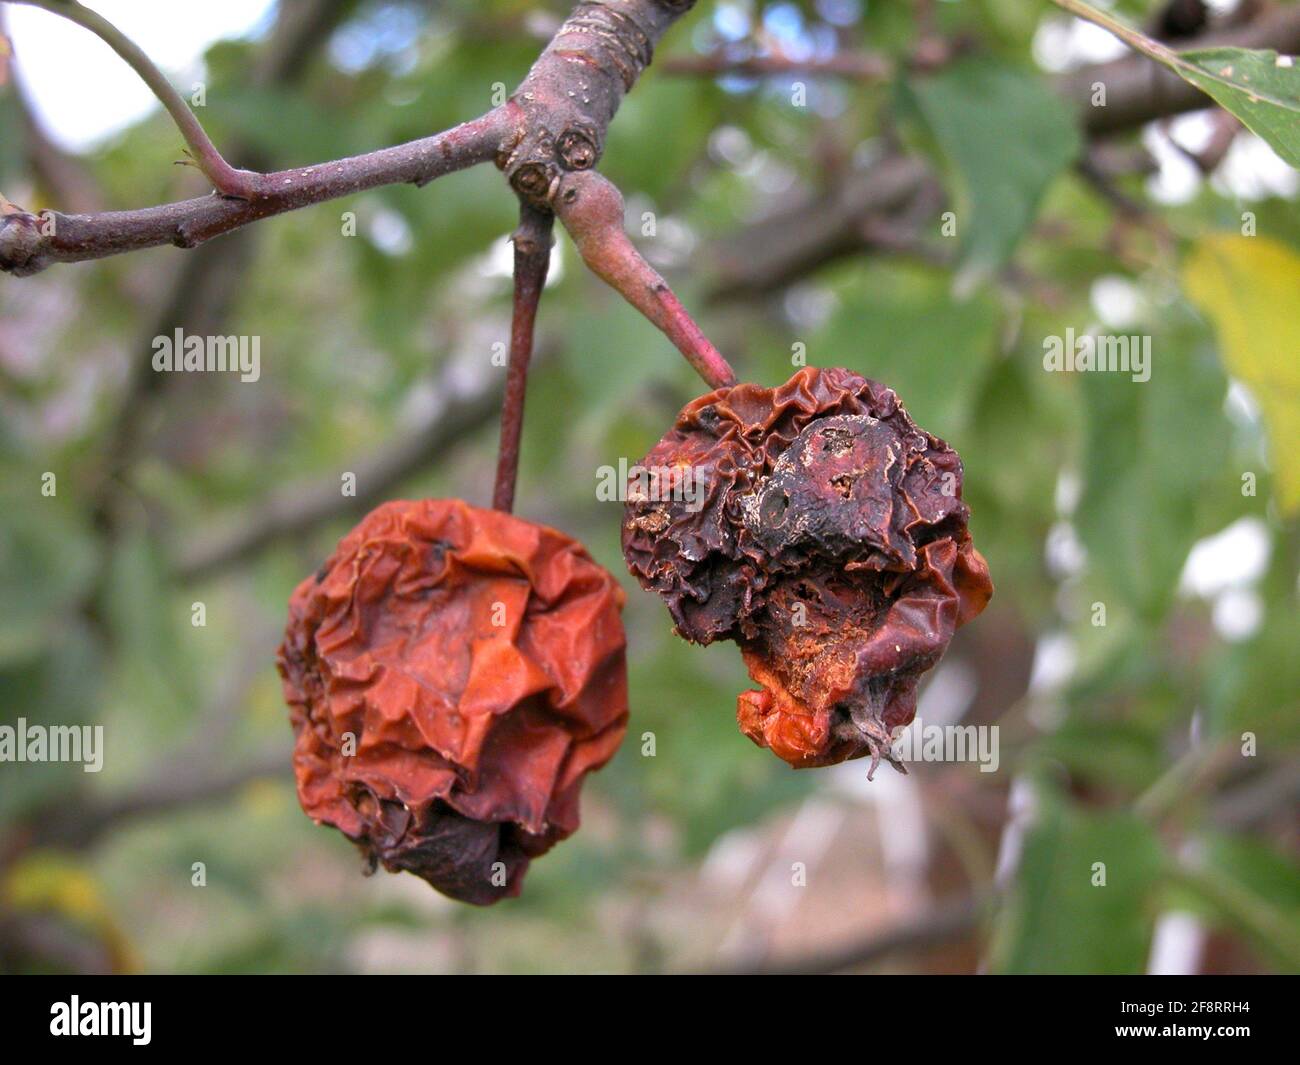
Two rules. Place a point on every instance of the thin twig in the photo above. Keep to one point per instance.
(554, 123)
(802, 236)
(195, 297)
(1138, 91)
(228, 181)
(30, 243)
(532, 241)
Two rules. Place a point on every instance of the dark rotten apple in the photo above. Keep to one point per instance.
(830, 542)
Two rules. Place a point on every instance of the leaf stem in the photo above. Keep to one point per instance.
(1136, 40)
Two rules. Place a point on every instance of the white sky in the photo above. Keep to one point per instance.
(83, 92)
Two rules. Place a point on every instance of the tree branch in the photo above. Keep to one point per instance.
(1139, 90)
(785, 246)
(793, 242)
(227, 180)
(198, 296)
(552, 127)
(574, 89)
(554, 123)
(551, 131)
(29, 243)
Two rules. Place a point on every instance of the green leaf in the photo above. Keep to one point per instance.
(1151, 448)
(1255, 686)
(1260, 87)
(1120, 754)
(1248, 285)
(1059, 918)
(1005, 137)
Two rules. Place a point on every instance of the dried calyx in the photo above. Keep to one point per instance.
(825, 534)
(452, 676)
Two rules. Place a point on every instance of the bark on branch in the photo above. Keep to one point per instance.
(574, 89)
(29, 243)
(555, 122)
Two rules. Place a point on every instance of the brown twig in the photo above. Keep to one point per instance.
(554, 123)
(532, 240)
(30, 243)
(225, 178)
(198, 296)
(548, 135)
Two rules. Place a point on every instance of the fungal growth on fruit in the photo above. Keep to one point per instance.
(828, 538)
(452, 675)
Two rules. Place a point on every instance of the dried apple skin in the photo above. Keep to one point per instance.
(452, 675)
(824, 533)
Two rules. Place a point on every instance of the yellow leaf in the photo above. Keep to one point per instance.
(1249, 287)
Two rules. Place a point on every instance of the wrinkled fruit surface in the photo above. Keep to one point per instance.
(452, 674)
(820, 529)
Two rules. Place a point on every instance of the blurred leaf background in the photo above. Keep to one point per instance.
(1140, 656)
